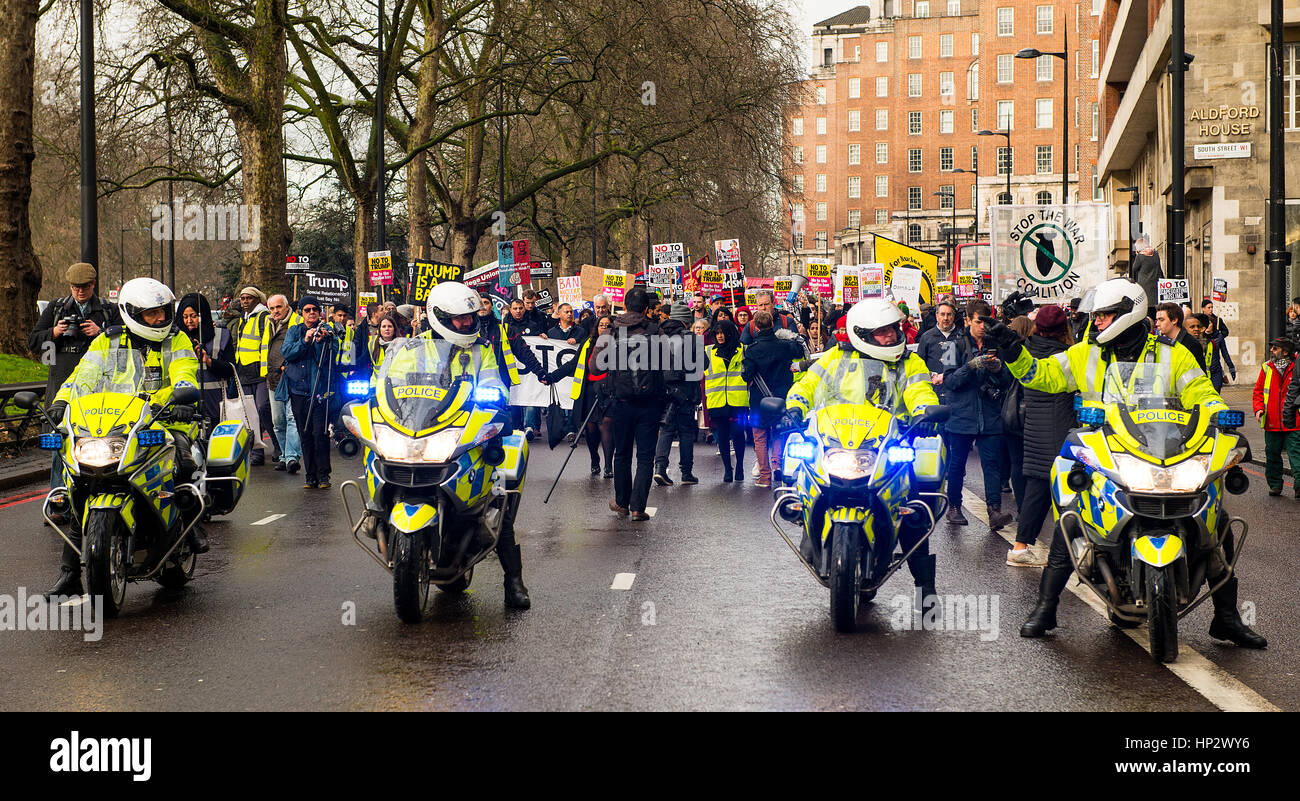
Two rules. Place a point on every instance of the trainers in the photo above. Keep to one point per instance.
(661, 478)
(762, 483)
(293, 466)
(529, 434)
(280, 467)
(1275, 492)
(687, 478)
(570, 437)
(753, 471)
(1024, 558)
(956, 518)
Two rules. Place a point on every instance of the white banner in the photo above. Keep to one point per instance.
(906, 286)
(1173, 290)
(1051, 253)
(570, 288)
(551, 354)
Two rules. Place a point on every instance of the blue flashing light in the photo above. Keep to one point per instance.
(150, 439)
(802, 450)
(1229, 418)
(51, 442)
(358, 388)
(900, 454)
(1092, 416)
(487, 396)
(1078, 402)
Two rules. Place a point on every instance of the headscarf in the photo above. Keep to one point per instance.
(731, 339)
(199, 303)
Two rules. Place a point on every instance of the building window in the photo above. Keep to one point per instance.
(974, 120)
(945, 121)
(914, 84)
(1096, 120)
(821, 182)
(882, 87)
(821, 154)
(975, 198)
(820, 239)
(1044, 19)
(914, 232)
(882, 186)
(882, 216)
(1006, 26)
(974, 44)
(796, 212)
(797, 155)
(922, 8)
(945, 159)
(945, 83)
(1043, 112)
(1006, 115)
(882, 52)
(914, 160)
(1043, 159)
(1043, 67)
(857, 52)
(855, 87)
(974, 158)
(882, 119)
(973, 82)
(946, 197)
(798, 184)
(855, 120)
(855, 154)
(796, 126)
(914, 198)
(913, 47)
(954, 8)
(1096, 58)
(945, 45)
(798, 241)
(821, 95)
(855, 186)
(914, 123)
(1291, 87)
(821, 212)
(1096, 186)
(882, 153)
(821, 126)
(1004, 199)
(1005, 68)
(855, 218)
(1043, 198)
(1005, 157)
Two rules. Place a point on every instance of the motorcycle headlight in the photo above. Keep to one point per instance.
(396, 447)
(848, 464)
(1186, 476)
(99, 451)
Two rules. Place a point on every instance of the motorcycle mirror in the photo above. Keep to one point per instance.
(773, 406)
(26, 400)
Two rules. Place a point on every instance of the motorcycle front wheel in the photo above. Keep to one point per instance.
(1162, 614)
(105, 554)
(846, 575)
(410, 575)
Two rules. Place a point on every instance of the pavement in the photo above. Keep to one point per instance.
(702, 608)
(23, 468)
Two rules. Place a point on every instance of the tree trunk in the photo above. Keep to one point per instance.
(464, 241)
(20, 276)
(363, 235)
(266, 193)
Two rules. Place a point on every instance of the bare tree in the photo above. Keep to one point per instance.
(20, 280)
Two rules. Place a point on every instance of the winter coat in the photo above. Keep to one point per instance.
(940, 351)
(975, 396)
(1145, 272)
(1277, 401)
(1049, 416)
(301, 359)
(69, 348)
(769, 356)
(779, 320)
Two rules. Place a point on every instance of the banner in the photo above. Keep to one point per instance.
(380, 263)
(871, 280)
(892, 255)
(733, 286)
(296, 265)
(366, 298)
(728, 252)
(329, 289)
(615, 284)
(1220, 292)
(482, 278)
(424, 275)
(905, 284)
(1052, 252)
(710, 281)
(668, 254)
(848, 281)
(819, 278)
(782, 285)
(512, 263)
(540, 270)
(551, 354)
(570, 288)
(1173, 290)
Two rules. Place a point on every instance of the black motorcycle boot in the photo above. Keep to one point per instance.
(922, 567)
(513, 566)
(198, 539)
(1043, 617)
(69, 582)
(726, 468)
(1227, 623)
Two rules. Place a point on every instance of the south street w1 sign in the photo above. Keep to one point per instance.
(1051, 253)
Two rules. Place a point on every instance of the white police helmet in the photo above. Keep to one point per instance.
(1123, 298)
(140, 295)
(452, 299)
(867, 320)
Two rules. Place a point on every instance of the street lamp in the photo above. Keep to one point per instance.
(976, 173)
(1006, 134)
(952, 233)
(1030, 52)
(594, 134)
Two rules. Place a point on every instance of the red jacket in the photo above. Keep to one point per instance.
(1270, 392)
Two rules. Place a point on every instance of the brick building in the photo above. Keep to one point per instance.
(898, 93)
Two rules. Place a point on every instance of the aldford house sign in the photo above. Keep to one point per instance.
(1224, 120)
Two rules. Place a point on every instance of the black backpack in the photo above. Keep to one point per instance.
(635, 378)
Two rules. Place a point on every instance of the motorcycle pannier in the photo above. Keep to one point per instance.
(929, 464)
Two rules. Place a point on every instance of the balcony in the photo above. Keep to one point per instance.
(1124, 45)
(1136, 116)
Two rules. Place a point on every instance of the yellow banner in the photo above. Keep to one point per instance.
(895, 254)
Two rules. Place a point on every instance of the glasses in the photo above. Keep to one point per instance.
(307, 309)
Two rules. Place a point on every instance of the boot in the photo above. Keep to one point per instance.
(955, 517)
(1043, 617)
(1227, 623)
(198, 540)
(513, 566)
(726, 469)
(923, 570)
(69, 583)
(998, 518)
(740, 469)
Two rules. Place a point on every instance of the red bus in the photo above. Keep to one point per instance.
(972, 271)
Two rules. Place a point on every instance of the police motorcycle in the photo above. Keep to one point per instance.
(132, 488)
(852, 477)
(439, 474)
(1138, 492)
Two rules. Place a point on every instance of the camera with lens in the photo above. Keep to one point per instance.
(73, 320)
(1017, 304)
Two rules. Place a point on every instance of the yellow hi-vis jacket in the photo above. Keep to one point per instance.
(1082, 367)
(723, 384)
(345, 354)
(254, 339)
(174, 358)
(910, 376)
(580, 371)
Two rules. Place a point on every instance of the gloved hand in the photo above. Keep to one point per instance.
(184, 414)
(976, 363)
(999, 333)
(57, 410)
(794, 417)
(155, 409)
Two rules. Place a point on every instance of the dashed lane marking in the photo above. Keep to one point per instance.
(623, 581)
(265, 520)
(1213, 682)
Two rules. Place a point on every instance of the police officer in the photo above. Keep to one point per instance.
(1119, 332)
(64, 331)
(874, 327)
(147, 310)
(252, 342)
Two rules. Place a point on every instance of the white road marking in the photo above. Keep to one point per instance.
(650, 510)
(266, 520)
(623, 581)
(78, 601)
(1213, 682)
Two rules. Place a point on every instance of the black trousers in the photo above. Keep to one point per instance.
(1037, 502)
(681, 428)
(730, 431)
(314, 433)
(261, 397)
(635, 425)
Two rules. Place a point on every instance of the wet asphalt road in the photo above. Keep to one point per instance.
(720, 615)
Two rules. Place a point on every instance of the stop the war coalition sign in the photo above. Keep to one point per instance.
(1051, 252)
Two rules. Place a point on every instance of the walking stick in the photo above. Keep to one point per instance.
(572, 447)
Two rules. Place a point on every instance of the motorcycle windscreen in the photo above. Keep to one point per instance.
(856, 400)
(420, 379)
(106, 384)
(1149, 406)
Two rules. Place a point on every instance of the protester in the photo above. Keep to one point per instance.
(1169, 322)
(252, 340)
(215, 350)
(909, 329)
(939, 346)
(764, 300)
(975, 390)
(766, 368)
(286, 427)
(384, 336)
(1048, 418)
(1144, 270)
(699, 326)
(1293, 321)
(682, 384)
(590, 394)
(308, 350)
(1216, 348)
(566, 330)
(1010, 468)
(726, 398)
(600, 308)
(1274, 402)
(638, 405)
(517, 325)
(743, 317)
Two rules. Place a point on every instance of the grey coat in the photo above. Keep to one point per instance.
(1145, 272)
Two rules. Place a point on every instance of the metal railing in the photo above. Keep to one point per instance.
(18, 428)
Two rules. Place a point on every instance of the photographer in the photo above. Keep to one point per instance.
(974, 393)
(64, 332)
